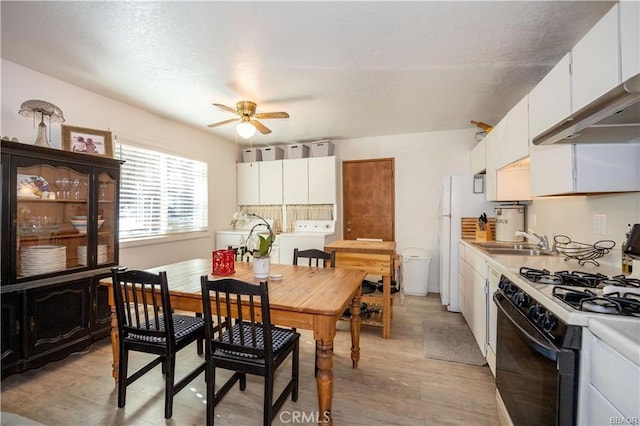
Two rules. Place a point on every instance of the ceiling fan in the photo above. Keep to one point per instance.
(248, 123)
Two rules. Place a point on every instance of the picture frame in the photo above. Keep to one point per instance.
(87, 141)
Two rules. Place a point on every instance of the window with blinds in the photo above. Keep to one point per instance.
(160, 194)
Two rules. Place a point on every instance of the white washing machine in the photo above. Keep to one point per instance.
(308, 234)
(236, 238)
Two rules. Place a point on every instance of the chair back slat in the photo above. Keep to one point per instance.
(245, 325)
(143, 306)
(315, 257)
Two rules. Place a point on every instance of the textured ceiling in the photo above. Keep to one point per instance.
(340, 69)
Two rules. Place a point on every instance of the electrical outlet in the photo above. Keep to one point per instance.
(533, 220)
(600, 223)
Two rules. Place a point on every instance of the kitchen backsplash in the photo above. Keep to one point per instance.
(574, 216)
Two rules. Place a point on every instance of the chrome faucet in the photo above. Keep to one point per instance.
(541, 241)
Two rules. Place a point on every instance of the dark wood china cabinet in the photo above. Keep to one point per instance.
(59, 222)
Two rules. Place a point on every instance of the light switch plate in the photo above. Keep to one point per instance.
(600, 223)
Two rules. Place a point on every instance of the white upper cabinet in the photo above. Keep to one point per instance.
(322, 180)
(513, 183)
(504, 184)
(585, 168)
(259, 183)
(492, 140)
(515, 139)
(550, 100)
(295, 181)
(310, 180)
(248, 180)
(596, 61)
(549, 103)
(270, 182)
(630, 38)
(478, 157)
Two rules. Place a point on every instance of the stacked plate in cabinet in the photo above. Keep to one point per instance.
(82, 254)
(42, 259)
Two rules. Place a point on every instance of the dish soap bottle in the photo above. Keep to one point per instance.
(627, 263)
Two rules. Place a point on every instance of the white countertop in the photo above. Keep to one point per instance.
(621, 333)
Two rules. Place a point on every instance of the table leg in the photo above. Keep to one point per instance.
(355, 330)
(114, 344)
(324, 380)
(386, 306)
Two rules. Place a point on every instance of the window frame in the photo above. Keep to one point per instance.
(161, 195)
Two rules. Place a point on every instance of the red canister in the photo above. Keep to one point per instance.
(223, 262)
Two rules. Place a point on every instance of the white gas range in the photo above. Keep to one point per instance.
(574, 295)
(544, 369)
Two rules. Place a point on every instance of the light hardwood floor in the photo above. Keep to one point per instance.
(393, 385)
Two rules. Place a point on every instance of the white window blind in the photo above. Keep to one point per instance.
(160, 194)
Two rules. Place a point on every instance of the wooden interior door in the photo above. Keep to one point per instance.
(368, 199)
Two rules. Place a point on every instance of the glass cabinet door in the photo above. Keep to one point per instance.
(52, 218)
(106, 218)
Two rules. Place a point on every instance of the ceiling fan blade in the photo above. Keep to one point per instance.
(271, 115)
(261, 127)
(223, 122)
(226, 108)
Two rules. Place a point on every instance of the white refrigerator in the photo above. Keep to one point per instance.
(457, 200)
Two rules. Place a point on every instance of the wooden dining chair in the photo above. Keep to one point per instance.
(146, 323)
(246, 342)
(319, 257)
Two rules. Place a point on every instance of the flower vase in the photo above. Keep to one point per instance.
(261, 267)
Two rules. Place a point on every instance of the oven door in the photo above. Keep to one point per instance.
(536, 379)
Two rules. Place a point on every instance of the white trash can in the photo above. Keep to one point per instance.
(415, 271)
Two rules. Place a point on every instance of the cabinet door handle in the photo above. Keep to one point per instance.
(32, 324)
(17, 327)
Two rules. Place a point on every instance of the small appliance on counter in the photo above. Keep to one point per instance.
(509, 219)
(632, 250)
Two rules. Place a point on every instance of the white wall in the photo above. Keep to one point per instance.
(421, 160)
(87, 109)
(573, 216)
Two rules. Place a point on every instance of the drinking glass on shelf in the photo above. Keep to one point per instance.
(103, 190)
(76, 189)
(62, 185)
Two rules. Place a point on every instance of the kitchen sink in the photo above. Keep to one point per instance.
(519, 252)
(517, 246)
(519, 249)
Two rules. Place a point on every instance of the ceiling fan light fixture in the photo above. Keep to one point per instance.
(246, 130)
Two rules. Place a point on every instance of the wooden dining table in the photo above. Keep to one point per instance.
(308, 298)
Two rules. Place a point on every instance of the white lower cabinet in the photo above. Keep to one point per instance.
(609, 391)
(473, 285)
(493, 278)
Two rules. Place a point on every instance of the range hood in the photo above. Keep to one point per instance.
(612, 118)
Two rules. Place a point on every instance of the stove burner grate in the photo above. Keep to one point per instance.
(601, 305)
